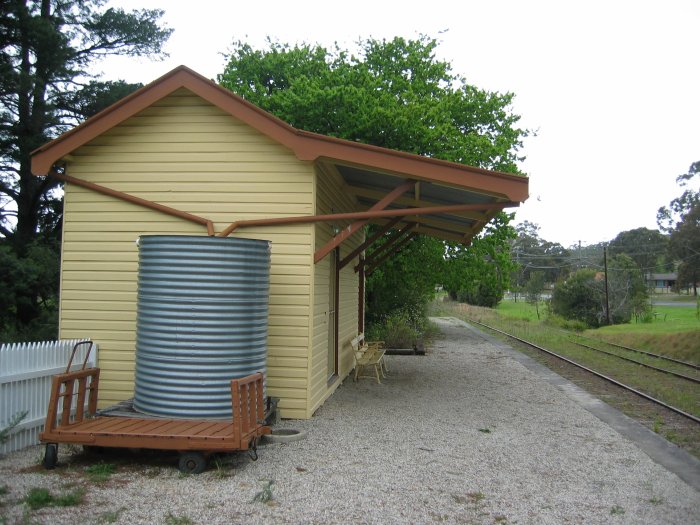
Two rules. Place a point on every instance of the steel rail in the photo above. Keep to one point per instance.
(664, 357)
(694, 380)
(597, 374)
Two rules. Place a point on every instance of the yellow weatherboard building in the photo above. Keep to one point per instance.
(185, 156)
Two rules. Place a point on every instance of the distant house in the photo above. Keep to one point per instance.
(184, 156)
(661, 282)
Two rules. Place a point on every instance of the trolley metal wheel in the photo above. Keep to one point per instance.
(192, 463)
(51, 456)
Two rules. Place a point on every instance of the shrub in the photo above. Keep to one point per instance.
(14, 421)
(480, 294)
(402, 329)
(582, 295)
(579, 298)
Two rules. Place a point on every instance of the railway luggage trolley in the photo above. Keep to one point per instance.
(194, 439)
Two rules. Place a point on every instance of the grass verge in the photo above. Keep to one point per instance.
(674, 330)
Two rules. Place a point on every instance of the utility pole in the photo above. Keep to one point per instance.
(579, 255)
(607, 297)
(520, 273)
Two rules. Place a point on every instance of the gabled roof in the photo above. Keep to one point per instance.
(369, 171)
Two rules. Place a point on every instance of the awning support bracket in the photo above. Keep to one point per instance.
(368, 242)
(353, 227)
(397, 248)
(391, 241)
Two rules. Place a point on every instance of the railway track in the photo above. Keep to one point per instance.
(662, 370)
(643, 352)
(596, 373)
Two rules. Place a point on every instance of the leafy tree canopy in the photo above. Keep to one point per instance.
(533, 290)
(395, 94)
(45, 88)
(47, 49)
(387, 287)
(684, 247)
(480, 274)
(682, 220)
(534, 254)
(647, 248)
(28, 286)
(627, 290)
(581, 296)
(669, 216)
(578, 298)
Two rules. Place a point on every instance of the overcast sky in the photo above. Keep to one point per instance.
(610, 86)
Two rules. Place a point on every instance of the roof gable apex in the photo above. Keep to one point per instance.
(43, 158)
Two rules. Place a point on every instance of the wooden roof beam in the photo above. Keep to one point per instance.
(408, 201)
(397, 248)
(368, 242)
(352, 228)
(439, 234)
(386, 246)
(134, 200)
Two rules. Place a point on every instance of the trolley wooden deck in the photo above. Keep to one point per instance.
(194, 438)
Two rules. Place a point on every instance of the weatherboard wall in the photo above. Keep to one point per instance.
(332, 197)
(187, 154)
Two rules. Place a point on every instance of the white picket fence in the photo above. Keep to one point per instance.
(25, 384)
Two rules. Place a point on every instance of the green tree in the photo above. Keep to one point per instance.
(581, 296)
(480, 274)
(534, 254)
(647, 248)
(628, 294)
(681, 219)
(669, 216)
(48, 47)
(578, 297)
(28, 285)
(387, 291)
(394, 94)
(684, 247)
(533, 290)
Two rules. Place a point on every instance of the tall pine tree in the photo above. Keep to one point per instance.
(47, 48)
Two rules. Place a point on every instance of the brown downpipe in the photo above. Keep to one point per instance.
(135, 200)
(306, 219)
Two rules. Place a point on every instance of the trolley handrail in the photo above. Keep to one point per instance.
(75, 349)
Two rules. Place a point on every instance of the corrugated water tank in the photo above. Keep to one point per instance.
(201, 321)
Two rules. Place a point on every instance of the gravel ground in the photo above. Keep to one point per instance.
(465, 434)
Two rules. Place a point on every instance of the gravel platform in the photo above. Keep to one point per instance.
(465, 434)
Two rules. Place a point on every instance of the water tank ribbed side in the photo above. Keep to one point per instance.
(201, 321)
